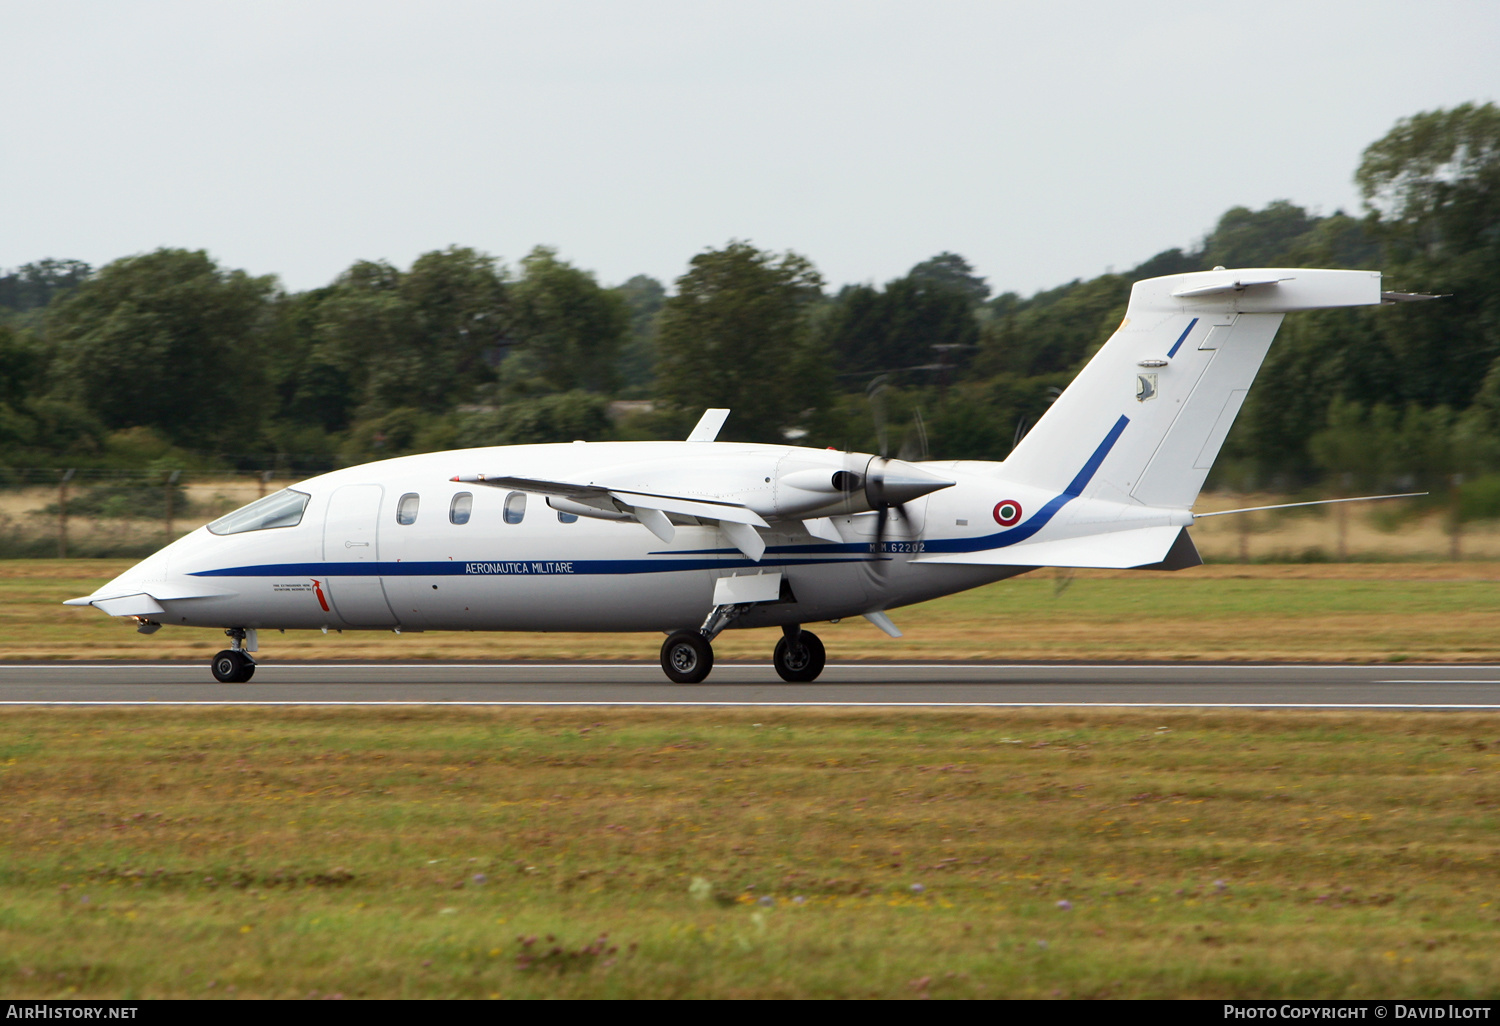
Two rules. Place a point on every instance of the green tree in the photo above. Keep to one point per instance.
(168, 340)
(1054, 330)
(568, 328)
(736, 335)
(1432, 186)
(1256, 238)
(1168, 261)
(312, 384)
(914, 324)
(952, 273)
(643, 296)
(559, 417)
(1357, 447)
(423, 339)
(32, 286)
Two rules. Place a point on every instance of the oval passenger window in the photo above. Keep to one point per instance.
(460, 508)
(515, 507)
(406, 509)
(566, 518)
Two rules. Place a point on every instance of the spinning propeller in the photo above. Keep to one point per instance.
(891, 484)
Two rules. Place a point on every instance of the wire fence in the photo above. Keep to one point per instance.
(65, 512)
(103, 511)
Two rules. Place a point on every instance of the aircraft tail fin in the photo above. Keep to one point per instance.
(1146, 417)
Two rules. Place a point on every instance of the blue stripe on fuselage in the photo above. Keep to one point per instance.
(1039, 519)
(672, 562)
(999, 539)
(499, 567)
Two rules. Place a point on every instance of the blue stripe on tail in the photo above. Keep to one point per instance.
(1041, 517)
(1181, 338)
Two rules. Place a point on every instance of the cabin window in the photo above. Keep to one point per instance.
(566, 518)
(406, 509)
(460, 508)
(284, 509)
(515, 507)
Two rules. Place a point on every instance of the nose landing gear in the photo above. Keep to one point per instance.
(233, 665)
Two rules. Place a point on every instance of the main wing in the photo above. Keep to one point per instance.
(650, 509)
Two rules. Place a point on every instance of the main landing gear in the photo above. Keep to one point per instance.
(799, 656)
(687, 656)
(233, 665)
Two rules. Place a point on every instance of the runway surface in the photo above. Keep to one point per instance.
(1461, 686)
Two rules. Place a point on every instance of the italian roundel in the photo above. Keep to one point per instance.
(1007, 512)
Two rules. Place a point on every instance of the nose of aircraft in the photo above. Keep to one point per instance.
(136, 592)
(141, 590)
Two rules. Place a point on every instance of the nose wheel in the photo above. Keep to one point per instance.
(232, 667)
(799, 657)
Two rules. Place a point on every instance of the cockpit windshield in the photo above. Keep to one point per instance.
(284, 509)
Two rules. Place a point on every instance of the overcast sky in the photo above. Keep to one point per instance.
(1043, 141)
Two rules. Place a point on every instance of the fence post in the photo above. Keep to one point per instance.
(171, 496)
(264, 477)
(1455, 500)
(1343, 519)
(62, 513)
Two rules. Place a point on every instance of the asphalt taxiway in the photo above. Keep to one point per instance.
(1368, 686)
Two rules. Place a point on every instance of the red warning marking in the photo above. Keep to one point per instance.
(318, 589)
(1007, 512)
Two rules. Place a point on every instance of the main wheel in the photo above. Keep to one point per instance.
(687, 657)
(800, 661)
(231, 667)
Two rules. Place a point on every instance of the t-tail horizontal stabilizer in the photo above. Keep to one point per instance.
(1179, 368)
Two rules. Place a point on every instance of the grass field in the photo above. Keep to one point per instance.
(1362, 612)
(614, 853)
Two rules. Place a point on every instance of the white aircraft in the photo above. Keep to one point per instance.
(691, 537)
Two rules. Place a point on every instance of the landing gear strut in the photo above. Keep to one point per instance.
(799, 655)
(233, 665)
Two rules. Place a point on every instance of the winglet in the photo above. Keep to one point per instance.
(708, 426)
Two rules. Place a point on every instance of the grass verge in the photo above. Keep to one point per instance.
(821, 853)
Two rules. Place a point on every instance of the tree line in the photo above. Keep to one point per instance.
(170, 359)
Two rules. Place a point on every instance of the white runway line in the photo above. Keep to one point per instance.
(761, 666)
(774, 705)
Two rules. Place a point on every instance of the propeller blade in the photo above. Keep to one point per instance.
(875, 393)
(905, 519)
(914, 445)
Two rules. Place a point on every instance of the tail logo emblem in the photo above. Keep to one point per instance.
(1145, 387)
(1007, 512)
